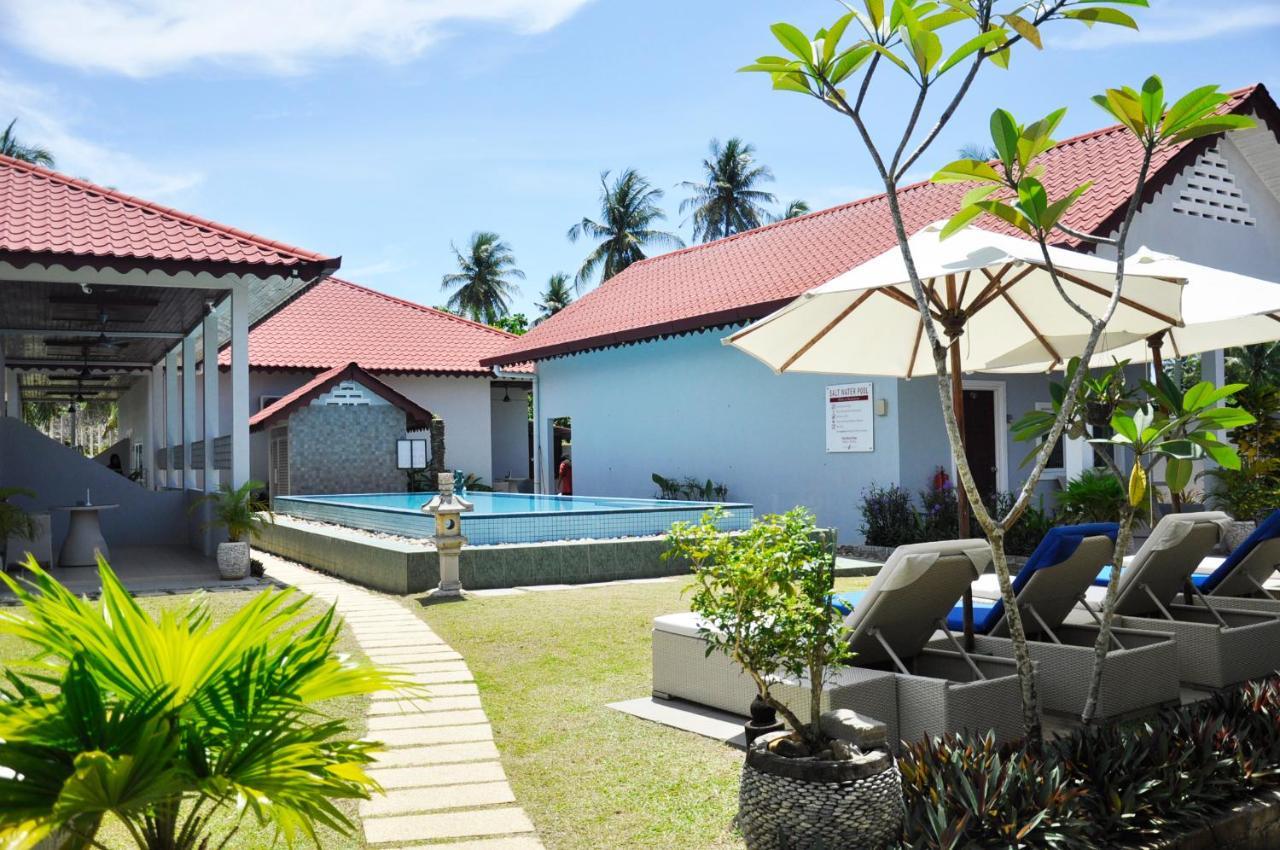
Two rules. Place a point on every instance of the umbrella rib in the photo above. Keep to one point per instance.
(1128, 302)
(915, 348)
(1057, 358)
(840, 317)
(901, 297)
(996, 288)
(964, 287)
(933, 294)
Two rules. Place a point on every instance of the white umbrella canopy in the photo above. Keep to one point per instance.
(1220, 309)
(993, 289)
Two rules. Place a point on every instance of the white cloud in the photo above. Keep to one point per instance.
(143, 38)
(1173, 22)
(41, 122)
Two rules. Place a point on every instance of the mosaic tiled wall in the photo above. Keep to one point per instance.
(345, 449)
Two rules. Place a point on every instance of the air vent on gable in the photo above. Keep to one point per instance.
(1211, 193)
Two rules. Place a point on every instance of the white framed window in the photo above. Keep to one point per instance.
(1056, 469)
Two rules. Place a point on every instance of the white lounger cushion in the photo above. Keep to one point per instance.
(1177, 545)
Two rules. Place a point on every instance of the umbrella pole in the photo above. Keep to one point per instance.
(1156, 342)
(962, 499)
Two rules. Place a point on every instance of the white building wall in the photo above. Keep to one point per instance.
(465, 405)
(131, 417)
(689, 406)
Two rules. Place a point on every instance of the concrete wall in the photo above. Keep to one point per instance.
(59, 476)
(131, 416)
(465, 405)
(510, 428)
(688, 406)
(345, 449)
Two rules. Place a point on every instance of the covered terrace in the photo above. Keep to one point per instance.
(101, 292)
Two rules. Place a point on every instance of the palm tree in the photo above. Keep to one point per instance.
(1256, 365)
(628, 209)
(34, 154)
(484, 285)
(795, 209)
(557, 297)
(978, 151)
(728, 202)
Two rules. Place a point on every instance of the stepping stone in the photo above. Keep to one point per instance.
(419, 720)
(513, 842)
(438, 774)
(505, 821)
(413, 706)
(395, 657)
(432, 735)
(433, 666)
(440, 754)
(438, 676)
(457, 689)
(407, 801)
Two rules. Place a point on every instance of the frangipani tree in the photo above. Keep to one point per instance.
(933, 44)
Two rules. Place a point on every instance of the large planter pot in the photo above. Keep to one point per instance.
(811, 804)
(233, 560)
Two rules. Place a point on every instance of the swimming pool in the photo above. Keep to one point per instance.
(512, 517)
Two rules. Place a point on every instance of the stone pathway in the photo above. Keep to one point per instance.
(445, 788)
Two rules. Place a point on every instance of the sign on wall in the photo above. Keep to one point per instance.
(850, 418)
(411, 454)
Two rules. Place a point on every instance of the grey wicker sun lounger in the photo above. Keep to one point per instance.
(892, 623)
(1240, 580)
(682, 669)
(1217, 645)
(1141, 670)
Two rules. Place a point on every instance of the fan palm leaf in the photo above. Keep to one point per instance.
(161, 722)
(10, 145)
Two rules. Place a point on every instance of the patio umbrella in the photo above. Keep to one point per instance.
(990, 293)
(1220, 309)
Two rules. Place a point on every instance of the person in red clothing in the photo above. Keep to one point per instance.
(564, 478)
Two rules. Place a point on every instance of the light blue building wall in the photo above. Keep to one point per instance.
(688, 406)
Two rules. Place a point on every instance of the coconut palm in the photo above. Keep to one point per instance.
(484, 285)
(795, 209)
(558, 295)
(728, 202)
(628, 210)
(10, 145)
(1256, 365)
(976, 150)
(183, 730)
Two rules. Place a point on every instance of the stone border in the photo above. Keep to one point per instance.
(403, 568)
(1253, 824)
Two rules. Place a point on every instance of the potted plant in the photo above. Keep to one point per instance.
(243, 514)
(764, 597)
(14, 521)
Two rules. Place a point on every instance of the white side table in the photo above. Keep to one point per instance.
(84, 537)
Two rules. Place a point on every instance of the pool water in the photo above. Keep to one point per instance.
(512, 517)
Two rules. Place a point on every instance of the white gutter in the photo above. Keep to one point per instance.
(499, 372)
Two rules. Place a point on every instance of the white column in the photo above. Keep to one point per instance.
(190, 429)
(239, 382)
(13, 396)
(172, 413)
(159, 436)
(211, 406)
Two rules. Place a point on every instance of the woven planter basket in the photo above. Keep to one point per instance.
(804, 804)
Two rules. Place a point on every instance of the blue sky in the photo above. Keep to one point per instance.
(383, 130)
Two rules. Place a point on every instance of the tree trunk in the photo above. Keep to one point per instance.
(1021, 651)
(1103, 643)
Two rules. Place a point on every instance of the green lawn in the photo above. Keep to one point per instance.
(591, 777)
(250, 837)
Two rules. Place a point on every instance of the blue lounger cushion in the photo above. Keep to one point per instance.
(1058, 545)
(1267, 529)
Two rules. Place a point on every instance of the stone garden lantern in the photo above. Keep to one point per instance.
(448, 509)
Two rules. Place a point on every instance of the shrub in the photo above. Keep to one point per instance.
(162, 722)
(1095, 496)
(1114, 785)
(961, 794)
(940, 514)
(765, 595)
(888, 517)
(1030, 528)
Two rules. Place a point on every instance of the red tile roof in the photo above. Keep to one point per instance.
(416, 417)
(335, 322)
(50, 217)
(749, 275)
